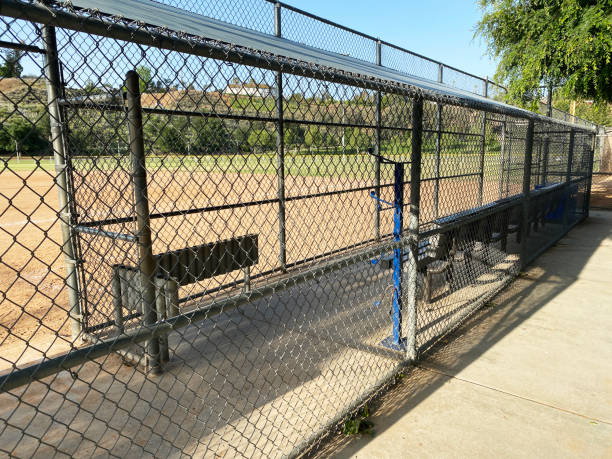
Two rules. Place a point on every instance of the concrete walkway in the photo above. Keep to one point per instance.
(529, 376)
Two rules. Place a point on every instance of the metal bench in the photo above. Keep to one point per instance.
(433, 258)
(179, 268)
(463, 234)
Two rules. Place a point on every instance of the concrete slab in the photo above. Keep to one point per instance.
(531, 375)
(462, 419)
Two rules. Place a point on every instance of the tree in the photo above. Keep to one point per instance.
(11, 68)
(210, 136)
(294, 135)
(165, 135)
(565, 43)
(313, 137)
(261, 138)
(146, 80)
(30, 139)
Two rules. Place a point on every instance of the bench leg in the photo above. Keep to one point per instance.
(504, 242)
(427, 287)
(247, 279)
(469, 265)
(448, 274)
(172, 298)
(160, 305)
(117, 303)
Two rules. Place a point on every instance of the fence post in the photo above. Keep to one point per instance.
(568, 178)
(546, 146)
(413, 227)
(545, 150)
(483, 133)
(436, 202)
(143, 224)
(280, 152)
(53, 82)
(590, 175)
(377, 146)
(502, 158)
(526, 192)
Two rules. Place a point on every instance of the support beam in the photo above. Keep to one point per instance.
(436, 193)
(377, 147)
(53, 83)
(143, 224)
(280, 153)
(526, 194)
(413, 228)
(568, 178)
(502, 158)
(483, 144)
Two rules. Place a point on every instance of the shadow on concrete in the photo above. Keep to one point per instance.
(535, 287)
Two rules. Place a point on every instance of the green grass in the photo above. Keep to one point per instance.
(27, 164)
(297, 163)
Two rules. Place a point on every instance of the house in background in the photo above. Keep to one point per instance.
(250, 89)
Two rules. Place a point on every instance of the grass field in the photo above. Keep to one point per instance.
(297, 163)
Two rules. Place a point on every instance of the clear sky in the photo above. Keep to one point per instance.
(439, 29)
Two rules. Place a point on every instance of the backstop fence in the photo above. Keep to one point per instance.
(241, 238)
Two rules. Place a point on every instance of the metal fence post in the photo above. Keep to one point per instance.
(398, 226)
(526, 193)
(413, 227)
(53, 83)
(590, 175)
(568, 178)
(545, 150)
(483, 133)
(509, 133)
(436, 201)
(377, 146)
(546, 140)
(143, 224)
(280, 152)
(502, 158)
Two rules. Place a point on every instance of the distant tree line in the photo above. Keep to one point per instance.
(25, 135)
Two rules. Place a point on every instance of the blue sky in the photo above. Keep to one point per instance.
(440, 29)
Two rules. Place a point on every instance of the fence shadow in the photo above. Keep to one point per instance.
(533, 289)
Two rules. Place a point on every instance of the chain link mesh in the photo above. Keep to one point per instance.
(198, 260)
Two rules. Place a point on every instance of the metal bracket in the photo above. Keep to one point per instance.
(376, 198)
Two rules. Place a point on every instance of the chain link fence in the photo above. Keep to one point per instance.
(212, 250)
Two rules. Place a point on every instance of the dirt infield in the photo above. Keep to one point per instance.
(32, 269)
(601, 191)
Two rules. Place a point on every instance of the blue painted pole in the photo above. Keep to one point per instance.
(398, 223)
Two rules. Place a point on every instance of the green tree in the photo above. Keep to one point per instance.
(165, 135)
(294, 135)
(262, 139)
(313, 137)
(357, 140)
(30, 139)
(565, 43)
(598, 112)
(146, 78)
(210, 136)
(11, 66)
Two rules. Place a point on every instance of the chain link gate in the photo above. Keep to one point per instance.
(202, 269)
